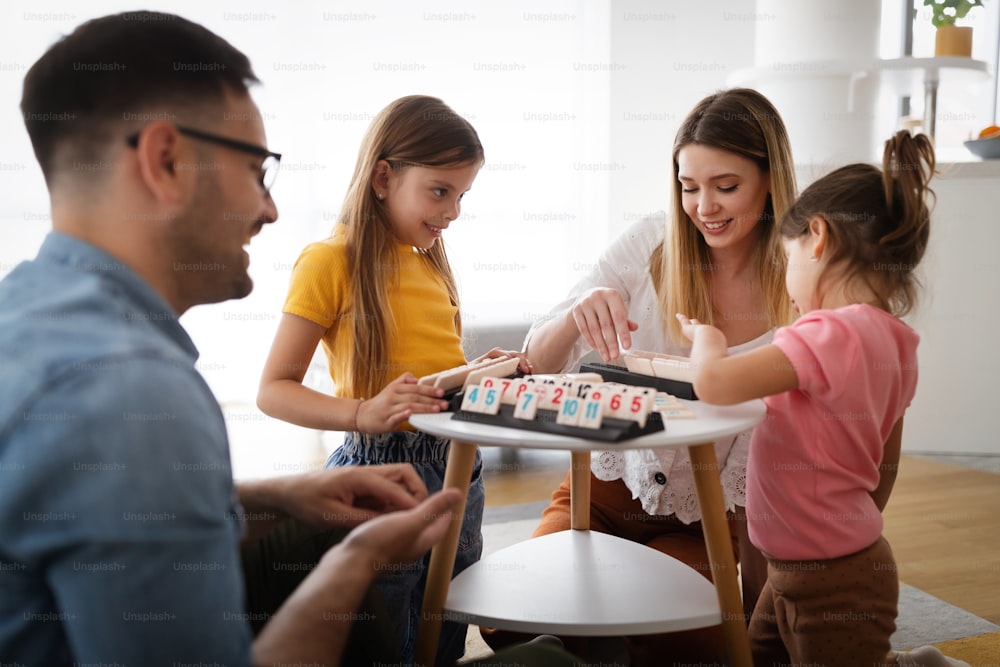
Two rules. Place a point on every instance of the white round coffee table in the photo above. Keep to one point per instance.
(580, 582)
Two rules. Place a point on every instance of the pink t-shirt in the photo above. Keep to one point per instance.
(814, 459)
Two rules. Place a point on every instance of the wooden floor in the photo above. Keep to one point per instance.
(942, 521)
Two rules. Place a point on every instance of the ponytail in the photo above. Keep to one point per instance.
(878, 220)
(907, 167)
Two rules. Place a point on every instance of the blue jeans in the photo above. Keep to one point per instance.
(403, 590)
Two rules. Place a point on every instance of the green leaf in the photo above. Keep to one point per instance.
(945, 12)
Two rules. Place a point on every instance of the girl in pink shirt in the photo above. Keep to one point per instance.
(836, 384)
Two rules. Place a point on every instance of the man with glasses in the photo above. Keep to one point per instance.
(121, 524)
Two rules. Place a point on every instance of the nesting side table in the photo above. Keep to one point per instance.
(583, 582)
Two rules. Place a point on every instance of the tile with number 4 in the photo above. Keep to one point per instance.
(472, 400)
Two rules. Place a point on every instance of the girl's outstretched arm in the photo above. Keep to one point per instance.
(282, 395)
(721, 379)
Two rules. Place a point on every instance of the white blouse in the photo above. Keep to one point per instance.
(661, 479)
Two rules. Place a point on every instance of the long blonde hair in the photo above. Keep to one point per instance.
(744, 122)
(416, 130)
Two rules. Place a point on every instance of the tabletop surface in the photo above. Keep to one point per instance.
(711, 422)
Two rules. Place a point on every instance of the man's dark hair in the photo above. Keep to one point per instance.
(114, 74)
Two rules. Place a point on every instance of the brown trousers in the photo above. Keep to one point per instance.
(837, 613)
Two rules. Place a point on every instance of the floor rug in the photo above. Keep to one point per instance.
(924, 619)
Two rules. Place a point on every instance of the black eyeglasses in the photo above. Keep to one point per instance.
(268, 170)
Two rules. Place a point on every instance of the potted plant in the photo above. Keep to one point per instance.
(951, 40)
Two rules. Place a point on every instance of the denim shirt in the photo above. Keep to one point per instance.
(119, 529)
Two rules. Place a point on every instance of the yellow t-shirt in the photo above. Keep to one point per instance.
(320, 292)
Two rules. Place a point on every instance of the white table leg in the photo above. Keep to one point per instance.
(461, 459)
(720, 553)
(579, 491)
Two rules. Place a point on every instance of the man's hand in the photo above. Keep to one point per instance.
(352, 495)
(313, 624)
(400, 538)
(330, 497)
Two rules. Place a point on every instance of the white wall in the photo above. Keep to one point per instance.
(670, 56)
(955, 409)
(532, 78)
(956, 315)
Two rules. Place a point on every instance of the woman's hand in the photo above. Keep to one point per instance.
(601, 316)
(400, 399)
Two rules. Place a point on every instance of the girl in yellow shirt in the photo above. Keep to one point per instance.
(380, 296)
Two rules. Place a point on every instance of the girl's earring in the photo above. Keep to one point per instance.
(814, 259)
(380, 195)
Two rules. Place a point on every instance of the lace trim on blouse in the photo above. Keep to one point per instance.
(663, 480)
